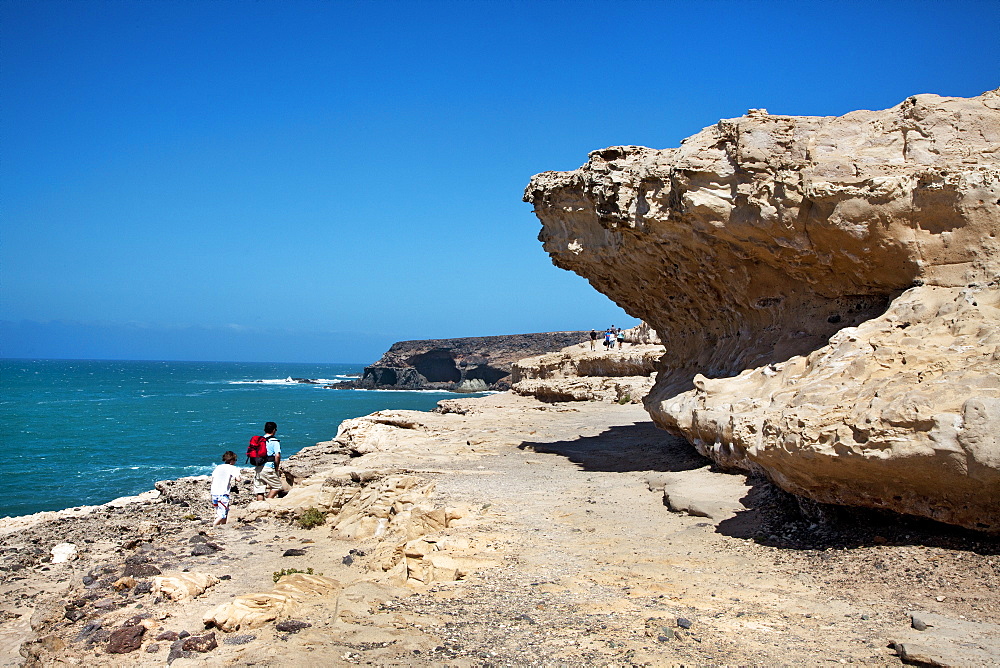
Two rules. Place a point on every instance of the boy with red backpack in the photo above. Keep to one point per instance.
(264, 453)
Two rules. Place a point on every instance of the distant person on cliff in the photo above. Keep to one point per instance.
(224, 477)
(593, 338)
(265, 477)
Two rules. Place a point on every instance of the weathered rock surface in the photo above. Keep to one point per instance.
(471, 364)
(577, 373)
(759, 239)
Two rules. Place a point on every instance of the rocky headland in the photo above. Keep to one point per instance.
(827, 289)
(471, 364)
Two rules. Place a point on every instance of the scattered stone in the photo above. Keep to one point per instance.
(168, 636)
(294, 552)
(88, 629)
(141, 570)
(683, 623)
(202, 549)
(347, 560)
(152, 648)
(205, 643)
(183, 634)
(143, 587)
(124, 583)
(75, 615)
(239, 639)
(917, 623)
(63, 553)
(291, 626)
(126, 639)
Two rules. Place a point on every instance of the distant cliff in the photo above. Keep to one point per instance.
(472, 364)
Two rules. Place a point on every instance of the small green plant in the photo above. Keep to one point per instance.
(625, 399)
(288, 571)
(189, 516)
(310, 518)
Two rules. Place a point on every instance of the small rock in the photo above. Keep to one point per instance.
(153, 648)
(126, 639)
(88, 580)
(292, 626)
(939, 599)
(205, 643)
(348, 560)
(917, 623)
(294, 552)
(141, 570)
(183, 634)
(683, 623)
(143, 587)
(75, 615)
(169, 636)
(241, 639)
(666, 636)
(202, 549)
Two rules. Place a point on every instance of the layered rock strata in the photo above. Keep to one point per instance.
(760, 238)
(471, 364)
(577, 373)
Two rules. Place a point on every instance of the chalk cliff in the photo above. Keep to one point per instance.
(470, 364)
(760, 238)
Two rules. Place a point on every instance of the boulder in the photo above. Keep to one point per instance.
(827, 290)
(183, 585)
(253, 610)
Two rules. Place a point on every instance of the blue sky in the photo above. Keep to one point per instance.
(311, 181)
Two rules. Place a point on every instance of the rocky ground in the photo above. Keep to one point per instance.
(588, 537)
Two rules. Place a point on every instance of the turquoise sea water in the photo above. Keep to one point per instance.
(86, 432)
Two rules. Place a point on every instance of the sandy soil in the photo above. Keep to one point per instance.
(590, 565)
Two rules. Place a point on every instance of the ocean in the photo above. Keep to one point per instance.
(84, 432)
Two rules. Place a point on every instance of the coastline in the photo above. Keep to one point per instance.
(499, 529)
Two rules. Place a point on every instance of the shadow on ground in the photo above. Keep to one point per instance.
(636, 447)
(772, 516)
(776, 518)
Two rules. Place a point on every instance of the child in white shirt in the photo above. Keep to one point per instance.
(224, 477)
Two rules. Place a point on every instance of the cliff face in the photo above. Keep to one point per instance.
(472, 364)
(760, 238)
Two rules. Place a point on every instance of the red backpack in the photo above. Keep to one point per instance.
(257, 451)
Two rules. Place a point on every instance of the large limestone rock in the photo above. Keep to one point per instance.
(760, 238)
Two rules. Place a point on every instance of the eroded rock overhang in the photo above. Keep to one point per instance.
(760, 238)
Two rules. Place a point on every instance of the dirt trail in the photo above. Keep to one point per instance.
(592, 568)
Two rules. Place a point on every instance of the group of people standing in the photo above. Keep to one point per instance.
(266, 476)
(612, 337)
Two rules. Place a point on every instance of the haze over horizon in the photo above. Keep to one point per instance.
(313, 181)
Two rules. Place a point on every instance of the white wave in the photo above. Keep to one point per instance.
(291, 381)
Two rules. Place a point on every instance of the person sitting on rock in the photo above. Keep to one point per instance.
(224, 477)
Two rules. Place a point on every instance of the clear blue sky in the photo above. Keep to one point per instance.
(311, 181)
